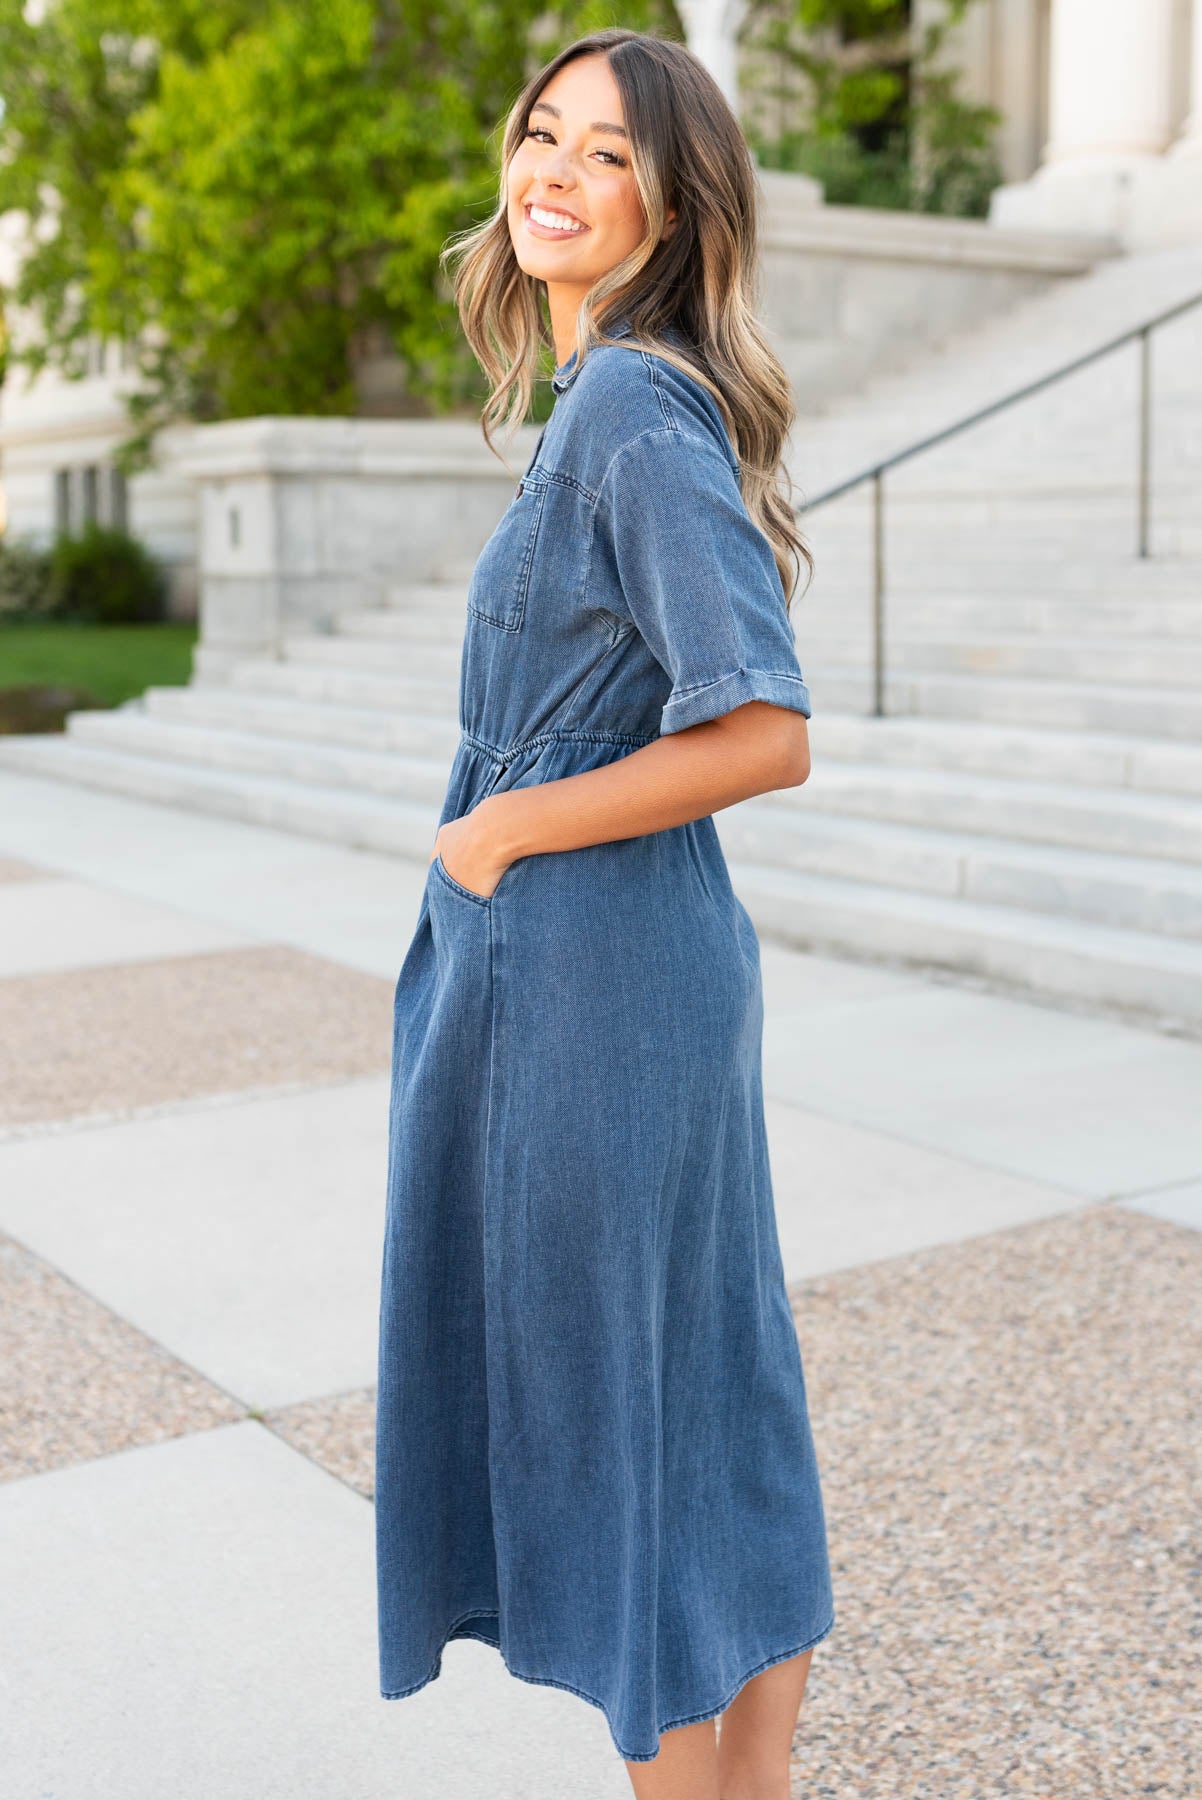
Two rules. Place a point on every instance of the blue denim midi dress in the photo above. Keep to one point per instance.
(593, 1449)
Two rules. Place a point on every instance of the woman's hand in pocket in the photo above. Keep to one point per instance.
(468, 855)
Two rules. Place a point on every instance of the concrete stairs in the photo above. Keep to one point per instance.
(1029, 814)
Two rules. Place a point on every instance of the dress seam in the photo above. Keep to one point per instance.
(568, 735)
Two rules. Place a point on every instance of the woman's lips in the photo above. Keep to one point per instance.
(545, 231)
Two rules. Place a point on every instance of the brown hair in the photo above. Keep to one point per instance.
(687, 151)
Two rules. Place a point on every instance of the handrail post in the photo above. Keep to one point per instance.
(1145, 434)
(878, 593)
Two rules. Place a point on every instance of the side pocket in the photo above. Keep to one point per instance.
(457, 887)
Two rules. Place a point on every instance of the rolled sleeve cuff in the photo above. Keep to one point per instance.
(693, 706)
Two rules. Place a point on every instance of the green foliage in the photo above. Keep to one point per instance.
(24, 580)
(256, 191)
(882, 122)
(104, 577)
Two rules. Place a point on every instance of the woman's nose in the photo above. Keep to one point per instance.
(558, 166)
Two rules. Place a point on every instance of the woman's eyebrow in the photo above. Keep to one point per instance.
(597, 124)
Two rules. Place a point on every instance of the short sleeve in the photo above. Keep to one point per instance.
(698, 578)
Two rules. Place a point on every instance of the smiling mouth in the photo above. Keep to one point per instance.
(553, 223)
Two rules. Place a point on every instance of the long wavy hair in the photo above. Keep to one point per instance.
(687, 151)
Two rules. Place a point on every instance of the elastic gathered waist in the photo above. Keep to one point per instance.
(502, 754)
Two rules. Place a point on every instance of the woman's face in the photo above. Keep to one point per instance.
(573, 207)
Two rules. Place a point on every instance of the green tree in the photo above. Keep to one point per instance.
(255, 192)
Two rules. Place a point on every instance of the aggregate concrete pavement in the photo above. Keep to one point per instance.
(991, 1223)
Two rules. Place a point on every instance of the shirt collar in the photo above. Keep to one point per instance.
(567, 371)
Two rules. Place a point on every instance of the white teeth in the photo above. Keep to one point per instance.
(556, 221)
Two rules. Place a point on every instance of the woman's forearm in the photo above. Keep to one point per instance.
(668, 782)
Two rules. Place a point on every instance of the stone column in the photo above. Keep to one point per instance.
(1111, 81)
(711, 27)
(1111, 120)
(1190, 141)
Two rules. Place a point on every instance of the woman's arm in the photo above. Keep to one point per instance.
(687, 775)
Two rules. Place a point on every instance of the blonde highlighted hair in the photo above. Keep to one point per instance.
(687, 151)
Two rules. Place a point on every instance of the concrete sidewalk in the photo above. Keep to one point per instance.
(990, 1215)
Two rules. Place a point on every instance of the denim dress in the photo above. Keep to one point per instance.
(593, 1449)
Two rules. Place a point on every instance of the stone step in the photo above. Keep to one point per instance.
(1077, 660)
(427, 658)
(1016, 753)
(298, 760)
(1113, 820)
(1145, 975)
(419, 620)
(913, 614)
(976, 616)
(915, 568)
(429, 662)
(321, 722)
(346, 687)
(1135, 661)
(359, 821)
(920, 853)
(1030, 506)
(1049, 631)
(1060, 705)
(843, 562)
(354, 670)
(1140, 975)
(1136, 893)
(1120, 623)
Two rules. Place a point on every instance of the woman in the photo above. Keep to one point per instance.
(593, 1448)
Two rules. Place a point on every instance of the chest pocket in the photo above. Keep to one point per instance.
(501, 577)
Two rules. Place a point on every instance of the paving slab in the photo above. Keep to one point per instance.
(799, 981)
(122, 1038)
(197, 1619)
(1085, 1104)
(1182, 1204)
(246, 1238)
(79, 1382)
(847, 1195)
(55, 924)
(354, 906)
(338, 1432)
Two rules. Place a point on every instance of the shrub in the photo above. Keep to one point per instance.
(105, 577)
(24, 581)
(853, 93)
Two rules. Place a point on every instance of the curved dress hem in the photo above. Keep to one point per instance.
(550, 1680)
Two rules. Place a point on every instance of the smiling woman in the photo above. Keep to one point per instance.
(570, 178)
(593, 1447)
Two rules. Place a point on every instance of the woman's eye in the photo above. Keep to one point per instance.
(615, 161)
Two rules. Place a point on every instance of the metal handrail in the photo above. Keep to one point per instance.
(876, 473)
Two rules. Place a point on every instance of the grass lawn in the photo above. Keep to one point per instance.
(112, 662)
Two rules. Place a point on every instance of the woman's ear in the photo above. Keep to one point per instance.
(669, 224)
